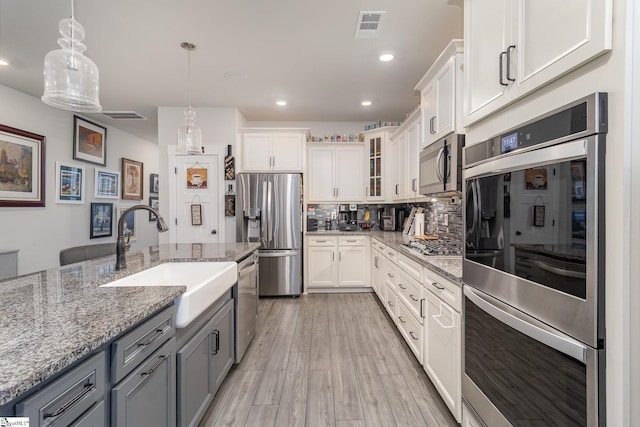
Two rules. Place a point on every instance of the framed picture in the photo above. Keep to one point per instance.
(101, 220)
(197, 177)
(21, 168)
(154, 203)
(69, 183)
(132, 177)
(107, 184)
(154, 179)
(89, 141)
(129, 225)
(196, 214)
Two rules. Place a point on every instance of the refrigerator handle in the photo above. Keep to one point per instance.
(270, 218)
(264, 219)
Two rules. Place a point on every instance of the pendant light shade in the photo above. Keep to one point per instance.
(189, 135)
(70, 78)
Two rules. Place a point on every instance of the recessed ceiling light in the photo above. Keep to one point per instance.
(365, 103)
(4, 62)
(281, 103)
(386, 57)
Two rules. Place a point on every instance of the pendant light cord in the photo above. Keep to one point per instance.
(189, 76)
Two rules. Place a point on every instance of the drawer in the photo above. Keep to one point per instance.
(133, 348)
(68, 398)
(391, 303)
(94, 417)
(353, 240)
(410, 267)
(379, 245)
(391, 275)
(391, 254)
(449, 292)
(322, 240)
(410, 292)
(411, 330)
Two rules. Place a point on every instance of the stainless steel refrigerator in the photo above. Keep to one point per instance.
(269, 211)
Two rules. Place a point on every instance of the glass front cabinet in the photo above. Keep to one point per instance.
(376, 145)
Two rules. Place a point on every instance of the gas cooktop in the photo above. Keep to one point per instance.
(435, 247)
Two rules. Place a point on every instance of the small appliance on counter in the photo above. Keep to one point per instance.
(388, 219)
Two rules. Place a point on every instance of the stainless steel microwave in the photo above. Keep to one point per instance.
(441, 165)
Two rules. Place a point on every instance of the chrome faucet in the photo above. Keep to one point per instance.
(120, 246)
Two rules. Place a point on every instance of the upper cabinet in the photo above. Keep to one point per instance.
(513, 47)
(334, 173)
(376, 148)
(404, 159)
(273, 150)
(440, 92)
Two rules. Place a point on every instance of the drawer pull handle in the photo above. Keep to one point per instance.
(391, 253)
(414, 338)
(159, 333)
(414, 298)
(217, 334)
(422, 308)
(351, 241)
(401, 287)
(435, 284)
(88, 388)
(321, 241)
(150, 371)
(401, 319)
(390, 304)
(391, 275)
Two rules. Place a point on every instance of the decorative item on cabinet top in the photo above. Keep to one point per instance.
(380, 124)
(337, 138)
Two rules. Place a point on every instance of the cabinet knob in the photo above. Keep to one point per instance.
(214, 232)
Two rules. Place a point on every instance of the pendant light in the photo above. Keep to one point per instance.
(189, 135)
(70, 78)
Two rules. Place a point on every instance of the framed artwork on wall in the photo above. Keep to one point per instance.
(154, 183)
(69, 183)
(154, 203)
(21, 168)
(89, 141)
(132, 179)
(129, 225)
(101, 220)
(107, 184)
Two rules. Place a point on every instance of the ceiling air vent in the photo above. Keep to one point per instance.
(368, 24)
(123, 115)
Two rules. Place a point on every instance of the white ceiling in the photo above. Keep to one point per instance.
(303, 51)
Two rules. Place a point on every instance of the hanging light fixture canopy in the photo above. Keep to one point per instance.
(70, 78)
(189, 135)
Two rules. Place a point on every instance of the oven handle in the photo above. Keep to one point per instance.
(438, 172)
(516, 320)
(559, 271)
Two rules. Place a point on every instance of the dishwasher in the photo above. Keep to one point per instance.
(246, 304)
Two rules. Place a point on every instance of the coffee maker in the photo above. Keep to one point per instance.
(388, 219)
(348, 217)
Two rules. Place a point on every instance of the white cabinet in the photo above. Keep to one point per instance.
(335, 263)
(513, 47)
(376, 162)
(443, 339)
(405, 159)
(411, 304)
(440, 89)
(334, 173)
(273, 150)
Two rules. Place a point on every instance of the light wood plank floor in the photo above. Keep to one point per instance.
(327, 360)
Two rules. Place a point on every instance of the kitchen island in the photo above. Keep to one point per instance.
(54, 318)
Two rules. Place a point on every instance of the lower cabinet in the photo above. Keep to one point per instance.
(147, 396)
(202, 364)
(338, 263)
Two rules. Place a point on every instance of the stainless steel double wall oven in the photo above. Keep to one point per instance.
(533, 270)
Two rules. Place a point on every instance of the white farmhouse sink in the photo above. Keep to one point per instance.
(205, 282)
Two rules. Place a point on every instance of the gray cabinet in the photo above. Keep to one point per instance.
(94, 417)
(146, 397)
(202, 364)
(71, 398)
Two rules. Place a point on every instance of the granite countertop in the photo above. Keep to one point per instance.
(53, 318)
(449, 266)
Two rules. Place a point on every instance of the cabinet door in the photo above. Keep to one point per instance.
(399, 167)
(195, 377)
(486, 37)
(443, 351)
(286, 151)
(445, 91)
(375, 148)
(354, 266)
(374, 270)
(428, 105)
(349, 181)
(147, 396)
(547, 45)
(321, 174)
(256, 152)
(413, 159)
(321, 266)
(223, 334)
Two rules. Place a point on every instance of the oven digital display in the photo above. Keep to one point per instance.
(509, 142)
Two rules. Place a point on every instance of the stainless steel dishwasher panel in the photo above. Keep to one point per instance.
(246, 304)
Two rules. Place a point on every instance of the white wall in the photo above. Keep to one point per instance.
(605, 74)
(219, 127)
(40, 233)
